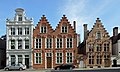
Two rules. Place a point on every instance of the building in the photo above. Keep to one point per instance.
(2, 53)
(115, 47)
(54, 47)
(95, 50)
(19, 33)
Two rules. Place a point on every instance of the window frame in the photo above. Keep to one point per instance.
(69, 57)
(59, 57)
(39, 58)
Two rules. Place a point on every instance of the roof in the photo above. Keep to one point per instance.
(115, 38)
(2, 44)
(81, 48)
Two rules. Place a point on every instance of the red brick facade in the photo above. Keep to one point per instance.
(58, 46)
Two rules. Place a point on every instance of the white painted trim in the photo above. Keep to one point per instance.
(62, 43)
(56, 42)
(72, 42)
(45, 43)
(46, 59)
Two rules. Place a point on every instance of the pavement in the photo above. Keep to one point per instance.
(109, 69)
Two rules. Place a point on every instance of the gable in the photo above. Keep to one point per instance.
(98, 28)
(42, 25)
(64, 23)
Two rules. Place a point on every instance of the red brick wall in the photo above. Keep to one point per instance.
(54, 34)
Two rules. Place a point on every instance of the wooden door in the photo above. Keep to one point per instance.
(49, 62)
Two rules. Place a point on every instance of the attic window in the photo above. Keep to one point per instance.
(43, 29)
(20, 18)
(64, 28)
(98, 35)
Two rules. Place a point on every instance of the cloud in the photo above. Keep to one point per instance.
(83, 11)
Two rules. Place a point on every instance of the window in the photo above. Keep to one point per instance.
(12, 31)
(19, 44)
(19, 31)
(26, 30)
(106, 47)
(99, 47)
(19, 58)
(48, 54)
(59, 58)
(91, 58)
(106, 58)
(59, 43)
(69, 57)
(20, 18)
(38, 43)
(91, 47)
(98, 35)
(64, 29)
(12, 44)
(49, 43)
(69, 43)
(43, 29)
(38, 58)
(12, 59)
(26, 44)
(99, 59)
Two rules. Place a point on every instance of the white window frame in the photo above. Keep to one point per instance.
(20, 58)
(38, 43)
(38, 58)
(20, 43)
(69, 43)
(43, 29)
(27, 43)
(59, 58)
(27, 30)
(64, 29)
(11, 43)
(12, 31)
(69, 57)
(19, 30)
(59, 43)
(49, 43)
(97, 35)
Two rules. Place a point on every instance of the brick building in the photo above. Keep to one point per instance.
(54, 47)
(95, 50)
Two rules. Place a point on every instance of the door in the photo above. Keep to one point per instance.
(27, 62)
(49, 62)
(107, 62)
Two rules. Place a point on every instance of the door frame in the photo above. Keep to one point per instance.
(46, 59)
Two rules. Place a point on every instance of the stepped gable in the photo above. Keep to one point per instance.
(43, 21)
(64, 21)
(99, 25)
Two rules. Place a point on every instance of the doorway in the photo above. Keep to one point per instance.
(49, 62)
(27, 61)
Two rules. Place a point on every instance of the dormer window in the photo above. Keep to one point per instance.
(43, 29)
(64, 28)
(20, 18)
(98, 35)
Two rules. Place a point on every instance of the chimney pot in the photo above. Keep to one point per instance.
(115, 31)
(74, 23)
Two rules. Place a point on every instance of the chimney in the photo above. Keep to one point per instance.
(115, 31)
(74, 24)
(85, 31)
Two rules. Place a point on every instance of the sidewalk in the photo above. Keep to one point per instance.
(96, 68)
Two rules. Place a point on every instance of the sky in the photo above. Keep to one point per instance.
(81, 11)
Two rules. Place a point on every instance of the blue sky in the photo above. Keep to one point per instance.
(82, 11)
